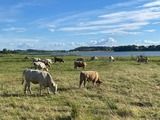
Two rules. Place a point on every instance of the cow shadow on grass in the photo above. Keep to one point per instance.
(60, 89)
(11, 95)
(23, 95)
(66, 89)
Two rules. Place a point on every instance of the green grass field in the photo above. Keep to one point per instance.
(130, 91)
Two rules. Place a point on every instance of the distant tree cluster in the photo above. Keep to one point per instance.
(119, 48)
(93, 48)
(5, 51)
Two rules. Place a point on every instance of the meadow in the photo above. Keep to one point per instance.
(130, 90)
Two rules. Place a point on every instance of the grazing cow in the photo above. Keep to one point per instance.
(79, 64)
(42, 78)
(40, 66)
(94, 58)
(86, 76)
(58, 59)
(36, 59)
(48, 62)
(80, 59)
(142, 59)
(111, 59)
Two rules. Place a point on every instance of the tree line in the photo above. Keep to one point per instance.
(89, 48)
(119, 48)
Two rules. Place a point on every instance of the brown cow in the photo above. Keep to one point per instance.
(79, 64)
(86, 76)
(142, 59)
(80, 59)
(58, 59)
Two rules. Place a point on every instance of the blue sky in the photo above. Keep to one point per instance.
(67, 24)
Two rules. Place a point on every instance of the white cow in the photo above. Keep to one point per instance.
(36, 59)
(48, 62)
(111, 59)
(40, 66)
(42, 78)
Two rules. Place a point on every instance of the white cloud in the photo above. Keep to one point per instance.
(25, 45)
(52, 29)
(151, 42)
(16, 29)
(151, 4)
(103, 42)
(112, 40)
(152, 30)
(125, 22)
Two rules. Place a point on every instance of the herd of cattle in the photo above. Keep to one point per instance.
(40, 75)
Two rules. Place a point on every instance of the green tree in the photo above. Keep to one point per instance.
(5, 51)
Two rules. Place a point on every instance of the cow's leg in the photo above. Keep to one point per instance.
(29, 88)
(80, 83)
(48, 91)
(75, 67)
(85, 82)
(40, 89)
(94, 83)
(25, 88)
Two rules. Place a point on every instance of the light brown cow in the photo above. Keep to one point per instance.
(79, 64)
(86, 76)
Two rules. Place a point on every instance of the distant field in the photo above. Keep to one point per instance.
(130, 91)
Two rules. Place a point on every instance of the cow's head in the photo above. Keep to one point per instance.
(99, 82)
(54, 88)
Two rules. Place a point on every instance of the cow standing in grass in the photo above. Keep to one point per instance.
(86, 76)
(36, 59)
(48, 62)
(42, 78)
(111, 59)
(79, 64)
(58, 59)
(142, 59)
(94, 58)
(80, 59)
(40, 66)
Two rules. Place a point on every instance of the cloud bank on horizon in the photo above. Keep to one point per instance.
(64, 25)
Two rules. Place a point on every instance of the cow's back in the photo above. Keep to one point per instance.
(31, 75)
(36, 76)
(92, 75)
(44, 78)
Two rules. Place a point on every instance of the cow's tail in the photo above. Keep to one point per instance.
(23, 77)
